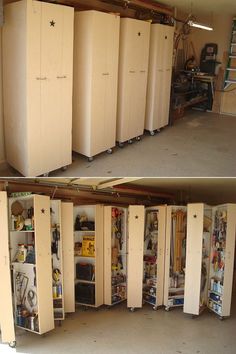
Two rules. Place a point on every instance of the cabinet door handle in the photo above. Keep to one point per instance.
(132, 71)
(105, 74)
(61, 77)
(41, 78)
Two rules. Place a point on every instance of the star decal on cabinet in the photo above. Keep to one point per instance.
(43, 211)
(52, 23)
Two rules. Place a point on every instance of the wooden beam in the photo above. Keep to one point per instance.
(116, 182)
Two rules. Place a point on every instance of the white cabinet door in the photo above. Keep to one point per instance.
(6, 309)
(135, 256)
(68, 256)
(195, 214)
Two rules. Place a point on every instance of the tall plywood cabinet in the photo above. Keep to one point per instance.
(115, 255)
(6, 308)
(210, 258)
(37, 85)
(96, 48)
(159, 77)
(135, 256)
(133, 70)
(30, 254)
(88, 254)
(154, 255)
(175, 256)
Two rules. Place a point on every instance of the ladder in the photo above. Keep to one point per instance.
(230, 77)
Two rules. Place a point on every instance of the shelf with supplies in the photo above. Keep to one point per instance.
(210, 258)
(88, 254)
(115, 255)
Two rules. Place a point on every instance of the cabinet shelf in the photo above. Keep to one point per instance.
(22, 231)
(85, 281)
(27, 329)
(146, 293)
(215, 292)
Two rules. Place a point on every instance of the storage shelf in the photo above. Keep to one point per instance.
(117, 302)
(23, 264)
(219, 314)
(85, 281)
(176, 296)
(27, 329)
(216, 302)
(215, 292)
(150, 303)
(175, 290)
(146, 293)
(93, 257)
(22, 231)
(82, 232)
(57, 298)
(83, 304)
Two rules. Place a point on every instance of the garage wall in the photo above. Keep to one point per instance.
(221, 34)
(2, 153)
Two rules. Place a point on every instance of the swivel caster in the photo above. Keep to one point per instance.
(154, 308)
(158, 130)
(109, 151)
(12, 344)
(46, 174)
(121, 145)
(167, 309)
(152, 133)
(193, 317)
(64, 168)
(130, 141)
(221, 318)
(132, 309)
(90, 159)
(60, 323)
(138, 138)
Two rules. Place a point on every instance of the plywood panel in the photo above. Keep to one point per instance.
(43, 263)
(6, 310)
(229, 259)
(195, 214)
(14, 84)
(68, 256)
(107, 255)
(228, 101)
(135, 256)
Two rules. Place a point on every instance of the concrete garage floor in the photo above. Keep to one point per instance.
(118, 331)
(200, 144)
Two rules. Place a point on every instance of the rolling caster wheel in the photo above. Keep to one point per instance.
(167, 309)
(121, 145)
(90, 159)
(46, 174)
(152, 133)
(109, 151)
(130, 141)
(221, 318)
(64, 168)
(132, 309)
(158, 130)
(12, 344)
(154, 308)
(193, 317)
(138, 138)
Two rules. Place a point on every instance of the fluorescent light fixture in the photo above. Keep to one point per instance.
(200, 25)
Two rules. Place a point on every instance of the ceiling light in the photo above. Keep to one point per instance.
(199, 25)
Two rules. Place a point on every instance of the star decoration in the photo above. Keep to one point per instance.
(43, 211)
(139, 34)
(136, 216)
(195, 216)
(52, 23)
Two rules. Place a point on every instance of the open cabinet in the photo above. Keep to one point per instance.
(175, 256)
(88, 252)
(115, 254)
(154, 255)
(6, 308)
(211, 261)
(57, 260)
(30, 255)
(68, 256)
(199, 225)
(135, 256)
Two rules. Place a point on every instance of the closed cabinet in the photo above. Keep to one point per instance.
(96, 48)
(40, 79)
(6, 308)
(135, 256)
(133, 69)
(159, 77)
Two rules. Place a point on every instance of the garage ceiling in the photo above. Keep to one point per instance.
(203, 6)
